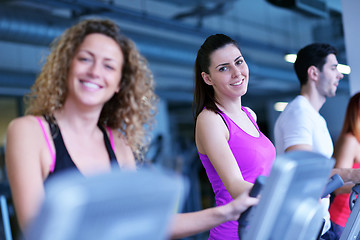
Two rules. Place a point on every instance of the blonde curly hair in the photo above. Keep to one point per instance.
(131, 110)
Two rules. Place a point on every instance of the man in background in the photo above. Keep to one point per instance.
(300, 126)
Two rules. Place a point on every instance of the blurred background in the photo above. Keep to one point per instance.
(168, 33)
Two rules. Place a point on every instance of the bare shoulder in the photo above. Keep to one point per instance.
(210, 128)
(123, 151)
(348, 140)
(24, 137)
(207, 116)
(24, 125)
(23, 145)
(23, 133)
(120, 140)
(253, 114)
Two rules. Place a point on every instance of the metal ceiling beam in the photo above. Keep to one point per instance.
(83, 8)
(23, 26)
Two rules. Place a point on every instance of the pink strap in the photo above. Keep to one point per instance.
(52, 153)
(111, 138)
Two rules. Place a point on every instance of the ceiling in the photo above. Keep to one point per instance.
(169, 32)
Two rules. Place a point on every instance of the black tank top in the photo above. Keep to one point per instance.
(63, 159)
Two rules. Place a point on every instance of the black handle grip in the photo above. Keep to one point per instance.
(254, 192)
(352, 198)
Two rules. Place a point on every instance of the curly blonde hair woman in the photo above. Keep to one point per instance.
(93, 100)
(128, 110)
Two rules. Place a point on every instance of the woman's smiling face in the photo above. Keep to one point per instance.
(228, 72)
(95, 70)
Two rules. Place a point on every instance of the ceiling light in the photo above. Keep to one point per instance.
(344, 69)
(290, 57)
(280, 106)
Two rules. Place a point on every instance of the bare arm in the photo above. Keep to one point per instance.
(211, 136)
(187, 224)
(348, 175)
(299, 147)
(24, 168)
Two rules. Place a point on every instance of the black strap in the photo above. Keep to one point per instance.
(108, 145)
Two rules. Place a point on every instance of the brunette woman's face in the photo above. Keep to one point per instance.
(95, 70)
(228, 72)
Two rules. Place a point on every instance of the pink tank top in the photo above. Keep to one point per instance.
(254, 156)
(339, 208)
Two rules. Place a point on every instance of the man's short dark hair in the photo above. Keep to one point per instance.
(311, 55)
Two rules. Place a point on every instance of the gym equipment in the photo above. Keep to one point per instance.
(289, 206)
(127, 205)
(254, 192)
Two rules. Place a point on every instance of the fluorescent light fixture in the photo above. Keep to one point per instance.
(344, 69)
(280, 106)
(291, 57)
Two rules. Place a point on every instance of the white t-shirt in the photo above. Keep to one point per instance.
(300, 123)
